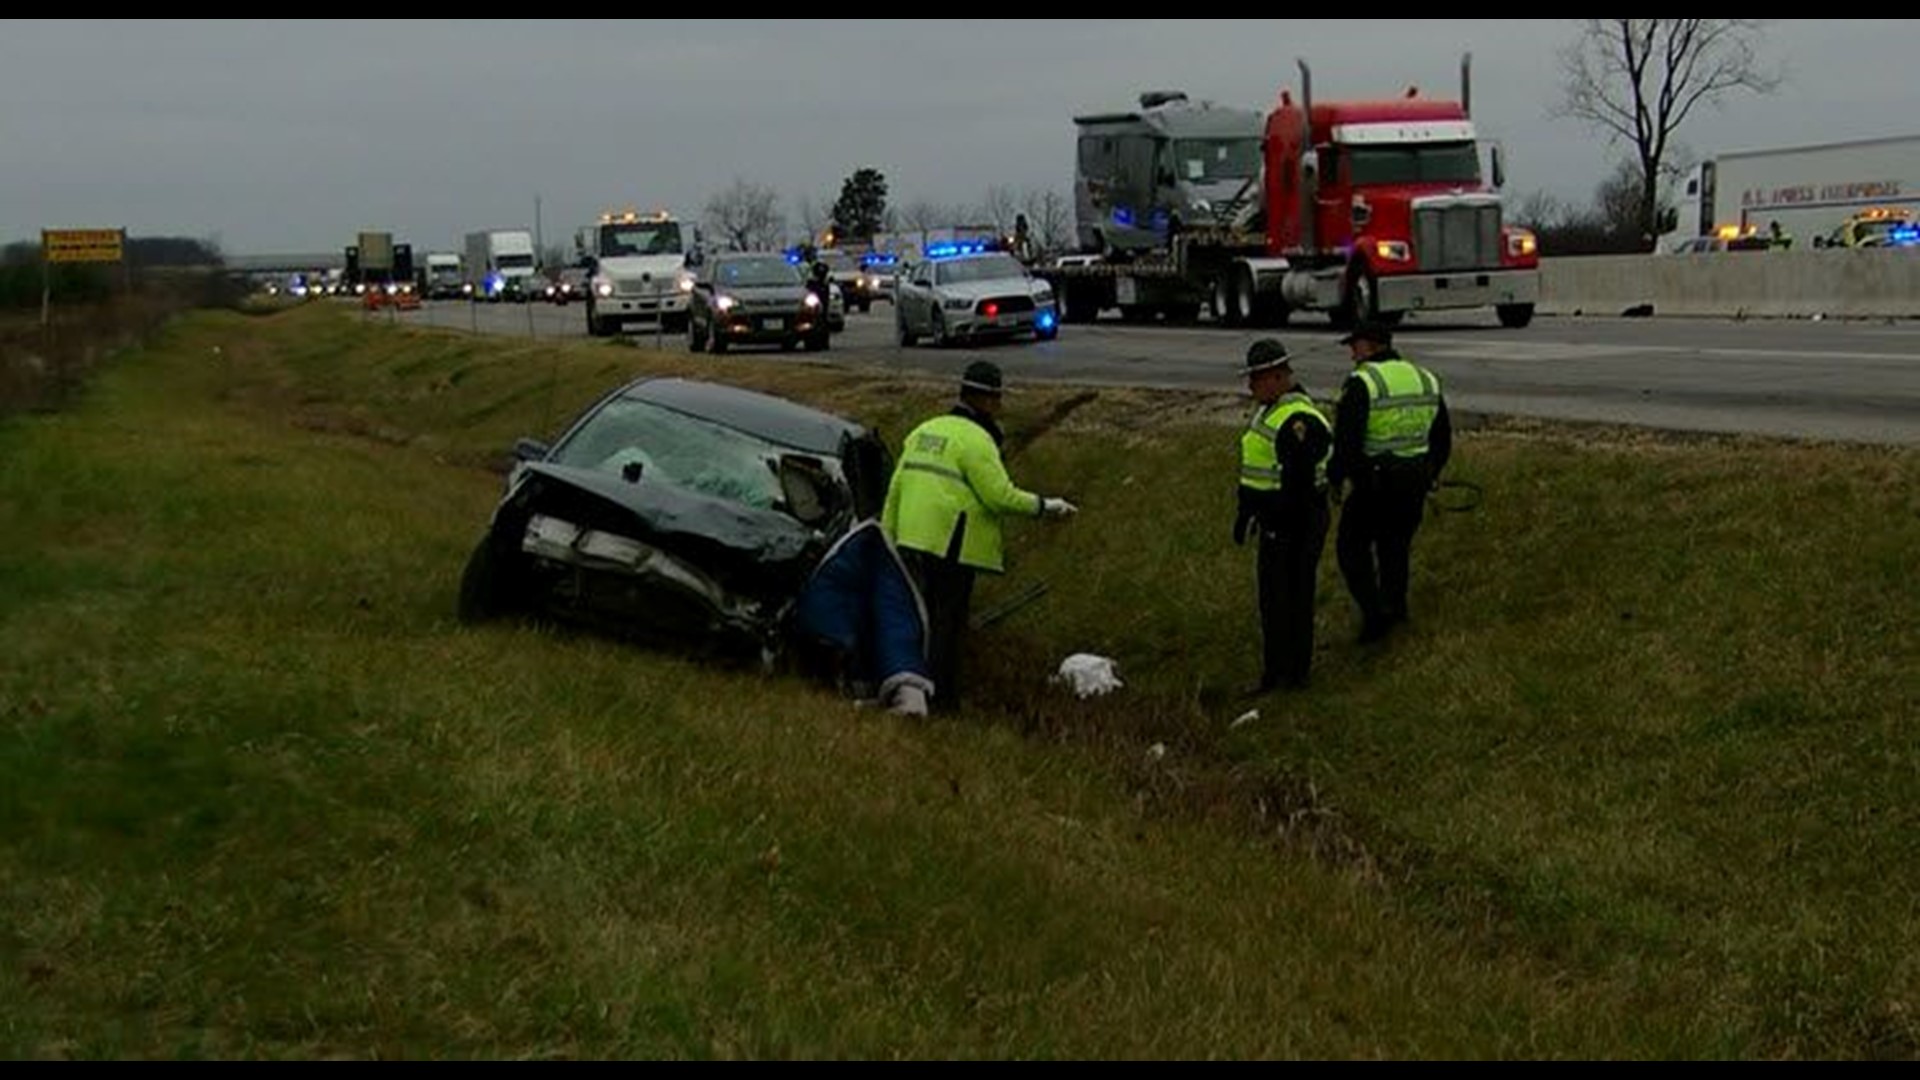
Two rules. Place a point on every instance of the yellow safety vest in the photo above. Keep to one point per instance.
(949, 477)
(1403, 400)
(1259, 464)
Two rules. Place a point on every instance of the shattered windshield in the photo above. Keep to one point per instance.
(677, 449)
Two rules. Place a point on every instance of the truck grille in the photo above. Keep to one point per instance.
(637, 287)
(1457, 236)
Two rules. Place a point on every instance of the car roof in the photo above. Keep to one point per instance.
(775, 419)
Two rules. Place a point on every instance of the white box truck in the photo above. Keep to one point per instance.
(500, 264)
(1810, 191)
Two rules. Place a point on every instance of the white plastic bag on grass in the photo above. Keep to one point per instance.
(1088, 675)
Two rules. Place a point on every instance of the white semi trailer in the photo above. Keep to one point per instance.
(1808, 190)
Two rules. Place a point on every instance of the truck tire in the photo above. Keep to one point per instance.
(1514, 316)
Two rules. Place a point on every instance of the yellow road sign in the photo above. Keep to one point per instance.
(82, 245)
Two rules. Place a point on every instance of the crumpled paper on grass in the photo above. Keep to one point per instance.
(1088, 675)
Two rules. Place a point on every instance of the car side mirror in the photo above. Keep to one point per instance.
(807, 489)
(528, 449)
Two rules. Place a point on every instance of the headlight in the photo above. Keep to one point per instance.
(1043, 294)
(684, 282)
(1521, 243)
(604, 288)
(956, 305)
(810, 301)
(1204, 206)
(1393, 250)
(726, 303)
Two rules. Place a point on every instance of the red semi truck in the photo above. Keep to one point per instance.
(1364, 209)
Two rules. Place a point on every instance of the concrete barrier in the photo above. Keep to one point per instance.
(1784, 284)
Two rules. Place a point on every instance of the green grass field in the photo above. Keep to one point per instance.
(1637, 784)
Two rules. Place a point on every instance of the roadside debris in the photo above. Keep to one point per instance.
(1088, 675)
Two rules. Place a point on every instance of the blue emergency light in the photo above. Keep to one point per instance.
(953, 248)
(1904, 235)
(1044, 321)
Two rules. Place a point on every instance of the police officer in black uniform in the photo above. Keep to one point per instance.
(1284, 452)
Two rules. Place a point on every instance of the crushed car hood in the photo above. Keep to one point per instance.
(751, 550)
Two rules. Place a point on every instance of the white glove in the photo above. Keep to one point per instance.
(1060, 508)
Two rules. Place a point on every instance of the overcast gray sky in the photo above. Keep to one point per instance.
(280, 136)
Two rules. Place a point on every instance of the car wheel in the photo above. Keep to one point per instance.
(696, 338)
(719, 342)
(819, 343)
(938, 331)
(489, 585)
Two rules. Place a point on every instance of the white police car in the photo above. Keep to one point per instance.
(969, 292)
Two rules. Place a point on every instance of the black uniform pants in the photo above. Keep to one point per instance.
(1288, 568)
(1375, 545)
(946, 587)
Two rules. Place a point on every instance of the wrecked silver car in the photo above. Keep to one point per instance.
(710, 518)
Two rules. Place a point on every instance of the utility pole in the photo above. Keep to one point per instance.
(539, 247)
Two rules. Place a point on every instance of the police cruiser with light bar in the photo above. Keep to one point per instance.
(969, 291)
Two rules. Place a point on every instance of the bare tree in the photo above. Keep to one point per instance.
(999, 207)
(1639, 79)
(1541, 210)
(1617, 202)
(922, 216)
(1049, 219)
(814, 217)
(748, 215)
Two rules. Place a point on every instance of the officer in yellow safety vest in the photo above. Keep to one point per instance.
(1284, 452)
(1392, 437)
(949, 491)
